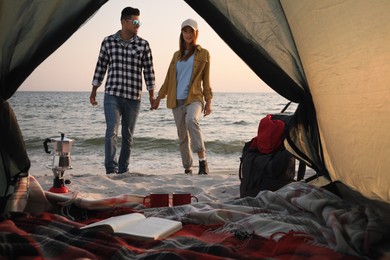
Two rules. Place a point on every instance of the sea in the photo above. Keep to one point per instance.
(234, 121)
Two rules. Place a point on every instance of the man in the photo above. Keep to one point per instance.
(125, 55)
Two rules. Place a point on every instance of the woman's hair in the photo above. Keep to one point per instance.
(182, 46)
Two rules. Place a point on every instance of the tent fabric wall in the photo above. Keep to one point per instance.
(337, 52)
(32, 31)
(14, 161)
(344, 47)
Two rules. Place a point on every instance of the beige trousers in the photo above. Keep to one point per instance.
(188, 130)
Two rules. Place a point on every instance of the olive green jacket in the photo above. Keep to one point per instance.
(200, 73)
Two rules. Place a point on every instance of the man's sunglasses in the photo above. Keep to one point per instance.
(135, 22)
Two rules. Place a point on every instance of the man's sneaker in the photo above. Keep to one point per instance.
(188, 171)
(203, 168)
(112, 172)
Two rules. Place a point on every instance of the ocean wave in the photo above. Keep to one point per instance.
(241, 122)
(172, 145)
(146, 144)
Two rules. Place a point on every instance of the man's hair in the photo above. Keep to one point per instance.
(127, 12)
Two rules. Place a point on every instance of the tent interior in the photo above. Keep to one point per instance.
(331, 57)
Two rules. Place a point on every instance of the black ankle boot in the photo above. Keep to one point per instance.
(203, 168)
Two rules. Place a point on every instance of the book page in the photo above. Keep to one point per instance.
(117, 223)
(152, 228)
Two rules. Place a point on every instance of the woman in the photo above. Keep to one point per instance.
(187, 72)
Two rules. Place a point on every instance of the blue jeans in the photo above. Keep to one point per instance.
(116, 108)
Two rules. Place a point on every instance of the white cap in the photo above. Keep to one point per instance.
(191, 23)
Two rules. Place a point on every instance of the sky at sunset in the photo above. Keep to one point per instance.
(71, 67)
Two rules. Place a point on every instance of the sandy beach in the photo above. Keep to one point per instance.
(216, 187)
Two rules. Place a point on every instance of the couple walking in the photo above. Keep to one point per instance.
(124, 56)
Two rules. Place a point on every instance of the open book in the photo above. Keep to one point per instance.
(138, 226)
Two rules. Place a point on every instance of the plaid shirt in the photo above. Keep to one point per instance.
(125, 61)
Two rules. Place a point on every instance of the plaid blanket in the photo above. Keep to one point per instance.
(50, 236)
(298, 221)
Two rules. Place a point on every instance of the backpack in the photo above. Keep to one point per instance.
(259, 171)
(265, 164)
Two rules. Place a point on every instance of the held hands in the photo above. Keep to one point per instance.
(156, 103)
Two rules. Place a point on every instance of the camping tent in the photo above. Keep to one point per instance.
(328, 56)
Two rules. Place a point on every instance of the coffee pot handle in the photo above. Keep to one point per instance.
(47, 140)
